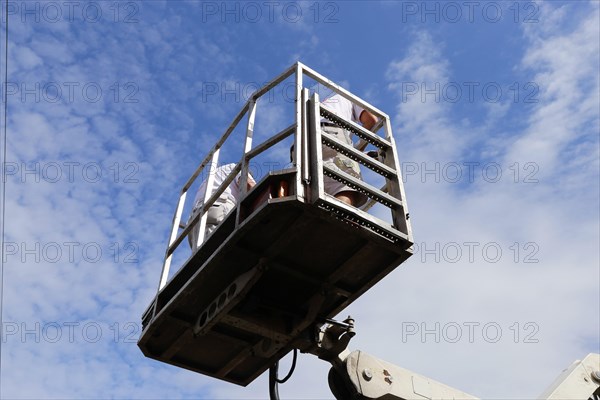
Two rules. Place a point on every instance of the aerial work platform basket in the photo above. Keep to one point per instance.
(289, 256)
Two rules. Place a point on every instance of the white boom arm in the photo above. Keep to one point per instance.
(367, 377)
(360, 376)
(580, 381)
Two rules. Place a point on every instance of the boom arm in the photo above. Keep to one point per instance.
(580, 381)
(359, 376)
(363, 377)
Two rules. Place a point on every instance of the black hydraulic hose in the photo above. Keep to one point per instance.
(273, 391)
(292, 368)
(274, 380)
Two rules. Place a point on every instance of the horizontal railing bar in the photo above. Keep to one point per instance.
(359, 156)
(367, 206)
(273, 140)
(335, 87)
(367, 189)
(356, 129)
(287, 73)
(379, 226)
(362, 143)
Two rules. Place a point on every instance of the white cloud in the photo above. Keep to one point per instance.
(27, 58)
(553, 219)
(425, 124)
(565, 66)
(85, 176)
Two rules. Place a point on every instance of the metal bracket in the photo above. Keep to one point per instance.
(331, 340)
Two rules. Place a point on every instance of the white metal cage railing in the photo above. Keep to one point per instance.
(309, 167)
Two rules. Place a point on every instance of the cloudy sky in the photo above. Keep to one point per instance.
(495, 111)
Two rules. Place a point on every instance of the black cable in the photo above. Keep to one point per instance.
(274, 380)
(292, 368)
(273, 390)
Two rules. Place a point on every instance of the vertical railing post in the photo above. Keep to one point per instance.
(299, 138)
(210, 182)
(394, 185)
(315, 150)
(245, 161)
(174, 230)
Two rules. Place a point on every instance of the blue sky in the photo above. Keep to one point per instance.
(111, 106)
